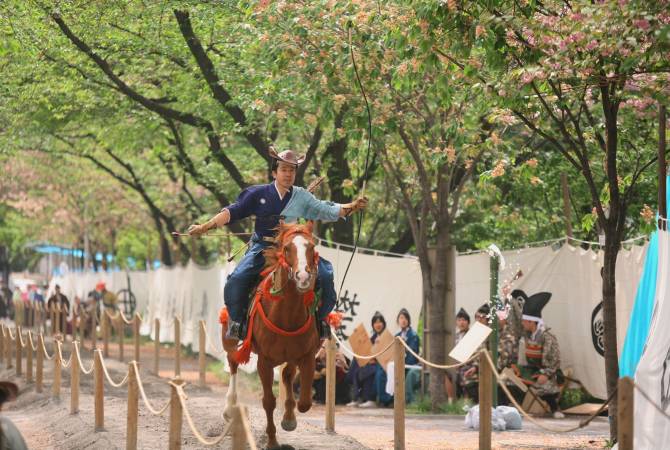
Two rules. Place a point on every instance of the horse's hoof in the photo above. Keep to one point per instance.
(289, 425)
(304, 407)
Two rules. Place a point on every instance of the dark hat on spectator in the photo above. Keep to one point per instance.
(532, 308)
(463, 314)
(518, 293)
(484, 309)
(8, 391)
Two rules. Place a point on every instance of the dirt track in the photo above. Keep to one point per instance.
(46, 422)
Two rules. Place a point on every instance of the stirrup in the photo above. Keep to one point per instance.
(323, 329)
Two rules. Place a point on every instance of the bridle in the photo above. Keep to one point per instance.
(282, 262)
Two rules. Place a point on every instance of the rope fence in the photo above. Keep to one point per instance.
(238, 428)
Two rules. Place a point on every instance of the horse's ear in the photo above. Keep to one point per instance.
(310, 226)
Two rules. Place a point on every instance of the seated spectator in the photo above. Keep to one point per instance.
(412, 339)
(470, 371)
(10, 435)
(452, 380)
(362, 379)
(342, 386)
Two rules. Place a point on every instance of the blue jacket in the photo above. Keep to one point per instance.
(412, 340)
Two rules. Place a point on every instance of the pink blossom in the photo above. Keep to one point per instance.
(641, 23)
(592, 44)
(527, 77)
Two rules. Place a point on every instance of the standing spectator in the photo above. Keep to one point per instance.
(412, 376)
(362, 379)
(109, 299)
(10, 436)
(5, 299)
(452, 380)
(60, 299)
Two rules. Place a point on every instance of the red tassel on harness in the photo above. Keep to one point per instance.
(334, 319)
(223, 316)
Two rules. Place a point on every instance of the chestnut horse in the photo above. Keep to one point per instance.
(281, 325)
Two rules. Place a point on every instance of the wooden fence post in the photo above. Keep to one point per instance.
(136, 336)
(625, 413)
(175, 415)
(330, 384)
(133, 405)
(58, 318)
(99, 393)
(29, 357)
(202, 356)
(55, 389)
(485, 402)
(94, 330)
(74, 379)
(177, 347)
(121, 327)
(106, 325)
(239, 433)
(399, 395)
(8, 349)
(39, 369)
(19, 352)
(52, 318)
(157, 344)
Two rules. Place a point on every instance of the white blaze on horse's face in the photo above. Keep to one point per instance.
(302, 278)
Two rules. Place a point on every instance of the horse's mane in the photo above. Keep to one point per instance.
(272, 253)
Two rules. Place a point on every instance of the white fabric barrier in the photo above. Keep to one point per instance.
(386, 284)
(652, 429)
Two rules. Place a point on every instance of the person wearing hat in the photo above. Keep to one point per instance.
(270, 203)
(543, 367)
(10, 436)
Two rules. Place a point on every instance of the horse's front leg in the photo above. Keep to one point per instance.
(307, 366)
(231, 395)
(288, 422)
(266, 374)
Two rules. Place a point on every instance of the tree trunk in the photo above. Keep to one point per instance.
(612, 246)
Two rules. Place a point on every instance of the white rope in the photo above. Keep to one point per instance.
(78, 356)
(104, 369)
(440, 366)
(213, 348)
(653, 403)
(140, 386)
(21, 341)
(356, 355)
(67, 363)
(11, 336)
(44, 349)
(30, 341)
(503, 385)
(189, 420)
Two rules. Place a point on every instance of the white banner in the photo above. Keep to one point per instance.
(387, 284)
(652, 429)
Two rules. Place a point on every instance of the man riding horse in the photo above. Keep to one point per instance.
(270, 203)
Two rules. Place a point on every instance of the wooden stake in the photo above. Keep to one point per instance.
(58, 318)
(177, 347)
(106, 325)
(202, 356)
(136, 336)
(133, 405)
(625, 414)
(55, 389)
(74, 379)
(330, 384)
(8, 350)
(238, 432)
(485, 402)
(175, 416)
(157, 344)
(19, 352)
(52, 315)
(39, 369)
(94, 330)
(29, 358)
(121, 329)
(99, 392)
(399, 396)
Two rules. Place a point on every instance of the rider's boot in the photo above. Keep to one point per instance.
(234, 332)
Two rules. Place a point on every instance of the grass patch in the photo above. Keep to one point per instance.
(423, 406)
(218, 368)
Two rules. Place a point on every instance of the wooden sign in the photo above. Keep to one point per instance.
(360, 343)
(380, 344)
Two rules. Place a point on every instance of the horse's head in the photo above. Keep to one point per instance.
(295, 251)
